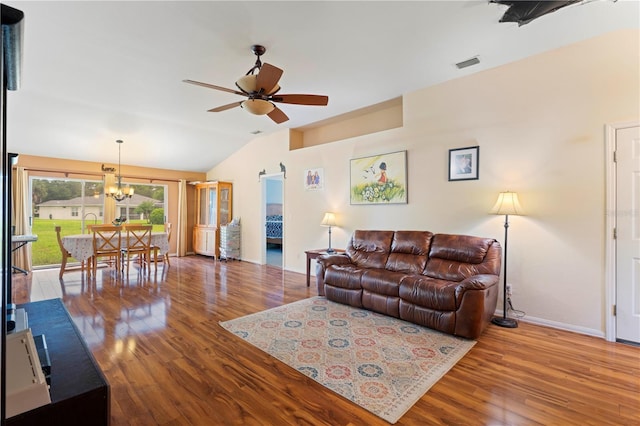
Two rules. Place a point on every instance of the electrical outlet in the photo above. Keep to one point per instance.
(509, 290)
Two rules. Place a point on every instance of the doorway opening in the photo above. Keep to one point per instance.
(273, 214)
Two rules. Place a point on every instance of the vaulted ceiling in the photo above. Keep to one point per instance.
(94, 72)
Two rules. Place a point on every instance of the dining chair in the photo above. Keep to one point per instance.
(138, 242)
(65, 254)
(156, 249)
(107, 240)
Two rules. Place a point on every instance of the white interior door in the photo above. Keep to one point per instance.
(628, 234)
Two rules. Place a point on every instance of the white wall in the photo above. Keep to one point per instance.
(539, 123)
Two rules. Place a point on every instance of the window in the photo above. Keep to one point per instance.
(73, 204)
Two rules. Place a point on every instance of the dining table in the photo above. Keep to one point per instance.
(81, 245)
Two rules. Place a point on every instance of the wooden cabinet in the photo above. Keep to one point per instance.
(213, 210)
(205, 241)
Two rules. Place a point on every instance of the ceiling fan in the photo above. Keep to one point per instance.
(261, 91)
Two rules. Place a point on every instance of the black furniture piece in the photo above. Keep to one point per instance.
(80, 393)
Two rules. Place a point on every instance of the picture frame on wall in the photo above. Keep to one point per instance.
(464, 163)
(379, 179)
(314, 179)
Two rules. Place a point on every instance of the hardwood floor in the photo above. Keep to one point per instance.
(169, 362)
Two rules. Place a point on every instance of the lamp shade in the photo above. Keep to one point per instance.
(247, 83)
(507, 204)
(329, 219)
(258, 106)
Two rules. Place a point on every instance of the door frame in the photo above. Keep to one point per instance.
(263, 215)
(610, 224)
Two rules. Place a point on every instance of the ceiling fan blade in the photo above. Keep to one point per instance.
(213, 86)
(321, 100)
(278, 116)
(225, 107)
(268, 78)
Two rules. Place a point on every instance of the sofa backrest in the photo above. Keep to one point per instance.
(409, 251)
(369, 249)
(456, 257)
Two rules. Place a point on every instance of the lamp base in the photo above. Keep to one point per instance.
(330, 250)
(505, 322)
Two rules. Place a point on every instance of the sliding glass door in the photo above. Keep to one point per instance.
(73, 204)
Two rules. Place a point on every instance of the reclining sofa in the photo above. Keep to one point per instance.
(445, 282)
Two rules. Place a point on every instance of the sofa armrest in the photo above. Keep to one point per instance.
(476, 282)
(476, 298)
(323, 262)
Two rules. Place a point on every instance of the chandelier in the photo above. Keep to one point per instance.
(119, 193)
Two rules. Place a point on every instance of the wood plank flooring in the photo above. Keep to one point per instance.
(169, 362)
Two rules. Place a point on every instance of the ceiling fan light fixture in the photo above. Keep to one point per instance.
(248, 83)
(259, 85)
(258, 106)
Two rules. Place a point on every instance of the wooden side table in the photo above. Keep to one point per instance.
(313, 254)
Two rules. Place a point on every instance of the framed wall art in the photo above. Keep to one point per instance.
(463, 163)
(314, 179)
(379, 179)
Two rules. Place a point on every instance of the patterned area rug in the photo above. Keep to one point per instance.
(381, 363)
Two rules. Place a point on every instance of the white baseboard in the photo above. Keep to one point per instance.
(559, 325)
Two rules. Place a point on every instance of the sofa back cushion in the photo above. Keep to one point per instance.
(409, 251)
(456, 257)
(370, 249)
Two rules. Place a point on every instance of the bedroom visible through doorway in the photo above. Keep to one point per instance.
(274, 220)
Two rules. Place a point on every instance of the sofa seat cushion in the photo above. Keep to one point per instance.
(343, 276)
(381, 281)
(431, 293)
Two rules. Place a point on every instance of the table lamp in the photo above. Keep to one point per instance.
(329, 220)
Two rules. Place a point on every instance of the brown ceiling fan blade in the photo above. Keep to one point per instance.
(225, 107)
(321, 100)
(268, 78)
(278, 116)
(213, 86)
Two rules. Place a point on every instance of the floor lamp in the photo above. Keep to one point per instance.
(507, 204)
(329, 220)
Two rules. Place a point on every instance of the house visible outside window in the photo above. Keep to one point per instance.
(74, 211)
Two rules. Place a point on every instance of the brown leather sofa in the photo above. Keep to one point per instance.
(445, 282)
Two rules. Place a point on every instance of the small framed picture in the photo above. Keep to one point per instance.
(314, 179)
(463, 163)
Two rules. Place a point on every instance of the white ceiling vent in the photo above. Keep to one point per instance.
(471, 61)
